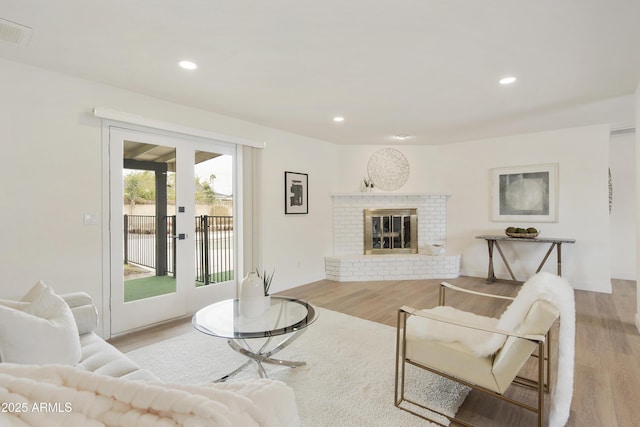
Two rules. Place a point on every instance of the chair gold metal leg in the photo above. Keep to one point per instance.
(441, 297)
(400, 342)
(547, 386)
(541, 375)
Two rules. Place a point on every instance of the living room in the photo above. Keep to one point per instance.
(54, 173)
(59, 129)
(63, 113)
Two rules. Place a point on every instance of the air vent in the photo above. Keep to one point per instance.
(11, 32)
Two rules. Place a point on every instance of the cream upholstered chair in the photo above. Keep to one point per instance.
(484, 353)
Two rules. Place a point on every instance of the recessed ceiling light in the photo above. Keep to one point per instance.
(338, 119)
(401, 137)
(507, 80)
(187, 65)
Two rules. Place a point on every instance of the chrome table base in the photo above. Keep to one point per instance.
(261, 356)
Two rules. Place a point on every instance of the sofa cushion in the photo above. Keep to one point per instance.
(102, 358)
(39, 329)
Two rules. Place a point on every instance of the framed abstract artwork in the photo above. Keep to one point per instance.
(525, 193)
(296, 193)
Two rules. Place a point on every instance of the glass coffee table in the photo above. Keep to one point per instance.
(286, 318)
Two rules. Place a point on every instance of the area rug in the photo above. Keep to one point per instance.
(348, 379)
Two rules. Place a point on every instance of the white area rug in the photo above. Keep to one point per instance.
(348, 379)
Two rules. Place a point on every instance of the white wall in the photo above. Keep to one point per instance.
(352, 163)
(623, 212)
(464, 171)
(295, 244)
(51, 148)
(582, 155)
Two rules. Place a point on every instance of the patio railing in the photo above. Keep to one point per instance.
(213, 246)
(214, 249)
(140, 240)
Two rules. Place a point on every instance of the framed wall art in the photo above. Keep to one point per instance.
(525, 193)
(296, 193)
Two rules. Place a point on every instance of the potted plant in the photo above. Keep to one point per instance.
(266, 280)
(367, 184)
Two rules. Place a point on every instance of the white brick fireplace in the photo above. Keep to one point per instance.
(349, 262)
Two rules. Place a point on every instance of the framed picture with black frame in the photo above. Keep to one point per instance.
(296, 193)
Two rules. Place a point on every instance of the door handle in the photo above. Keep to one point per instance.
(180, 236)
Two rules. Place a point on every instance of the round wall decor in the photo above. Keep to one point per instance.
(388, 169)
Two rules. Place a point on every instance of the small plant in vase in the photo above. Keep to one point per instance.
(266, 280)
(367, 184)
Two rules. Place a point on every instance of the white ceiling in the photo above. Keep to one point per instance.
(427, 68)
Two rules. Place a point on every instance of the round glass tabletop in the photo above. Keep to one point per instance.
(283, 316)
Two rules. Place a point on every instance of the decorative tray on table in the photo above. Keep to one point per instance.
(522, 233)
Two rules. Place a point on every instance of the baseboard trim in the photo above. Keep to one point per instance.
(624, 276)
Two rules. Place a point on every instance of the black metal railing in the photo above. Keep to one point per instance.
(214, 249)
(140, 240)
(213, 246)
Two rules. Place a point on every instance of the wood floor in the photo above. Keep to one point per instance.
(607, 362)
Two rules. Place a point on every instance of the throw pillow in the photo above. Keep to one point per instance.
(39, 329)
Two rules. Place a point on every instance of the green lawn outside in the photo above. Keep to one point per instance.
(222, 276)
(146, 287)
(152, 286)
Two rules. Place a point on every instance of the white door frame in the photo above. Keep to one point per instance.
(196, 297)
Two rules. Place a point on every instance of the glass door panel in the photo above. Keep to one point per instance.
(145, 286)
(214, 225)
(149, 197)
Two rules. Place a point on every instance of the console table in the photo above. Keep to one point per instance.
(493, 241)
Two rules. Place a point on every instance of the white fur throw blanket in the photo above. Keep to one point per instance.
(55, 395)
(542, 286)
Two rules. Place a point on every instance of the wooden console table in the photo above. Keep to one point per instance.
(493, 241)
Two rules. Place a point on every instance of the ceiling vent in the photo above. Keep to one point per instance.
(11, 32)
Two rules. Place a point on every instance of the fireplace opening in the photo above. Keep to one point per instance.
(390, 231)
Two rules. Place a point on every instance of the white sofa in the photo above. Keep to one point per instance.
(107, 388)
(98, 355)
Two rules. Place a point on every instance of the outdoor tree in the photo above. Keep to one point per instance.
(205, 193)
(139, 187)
